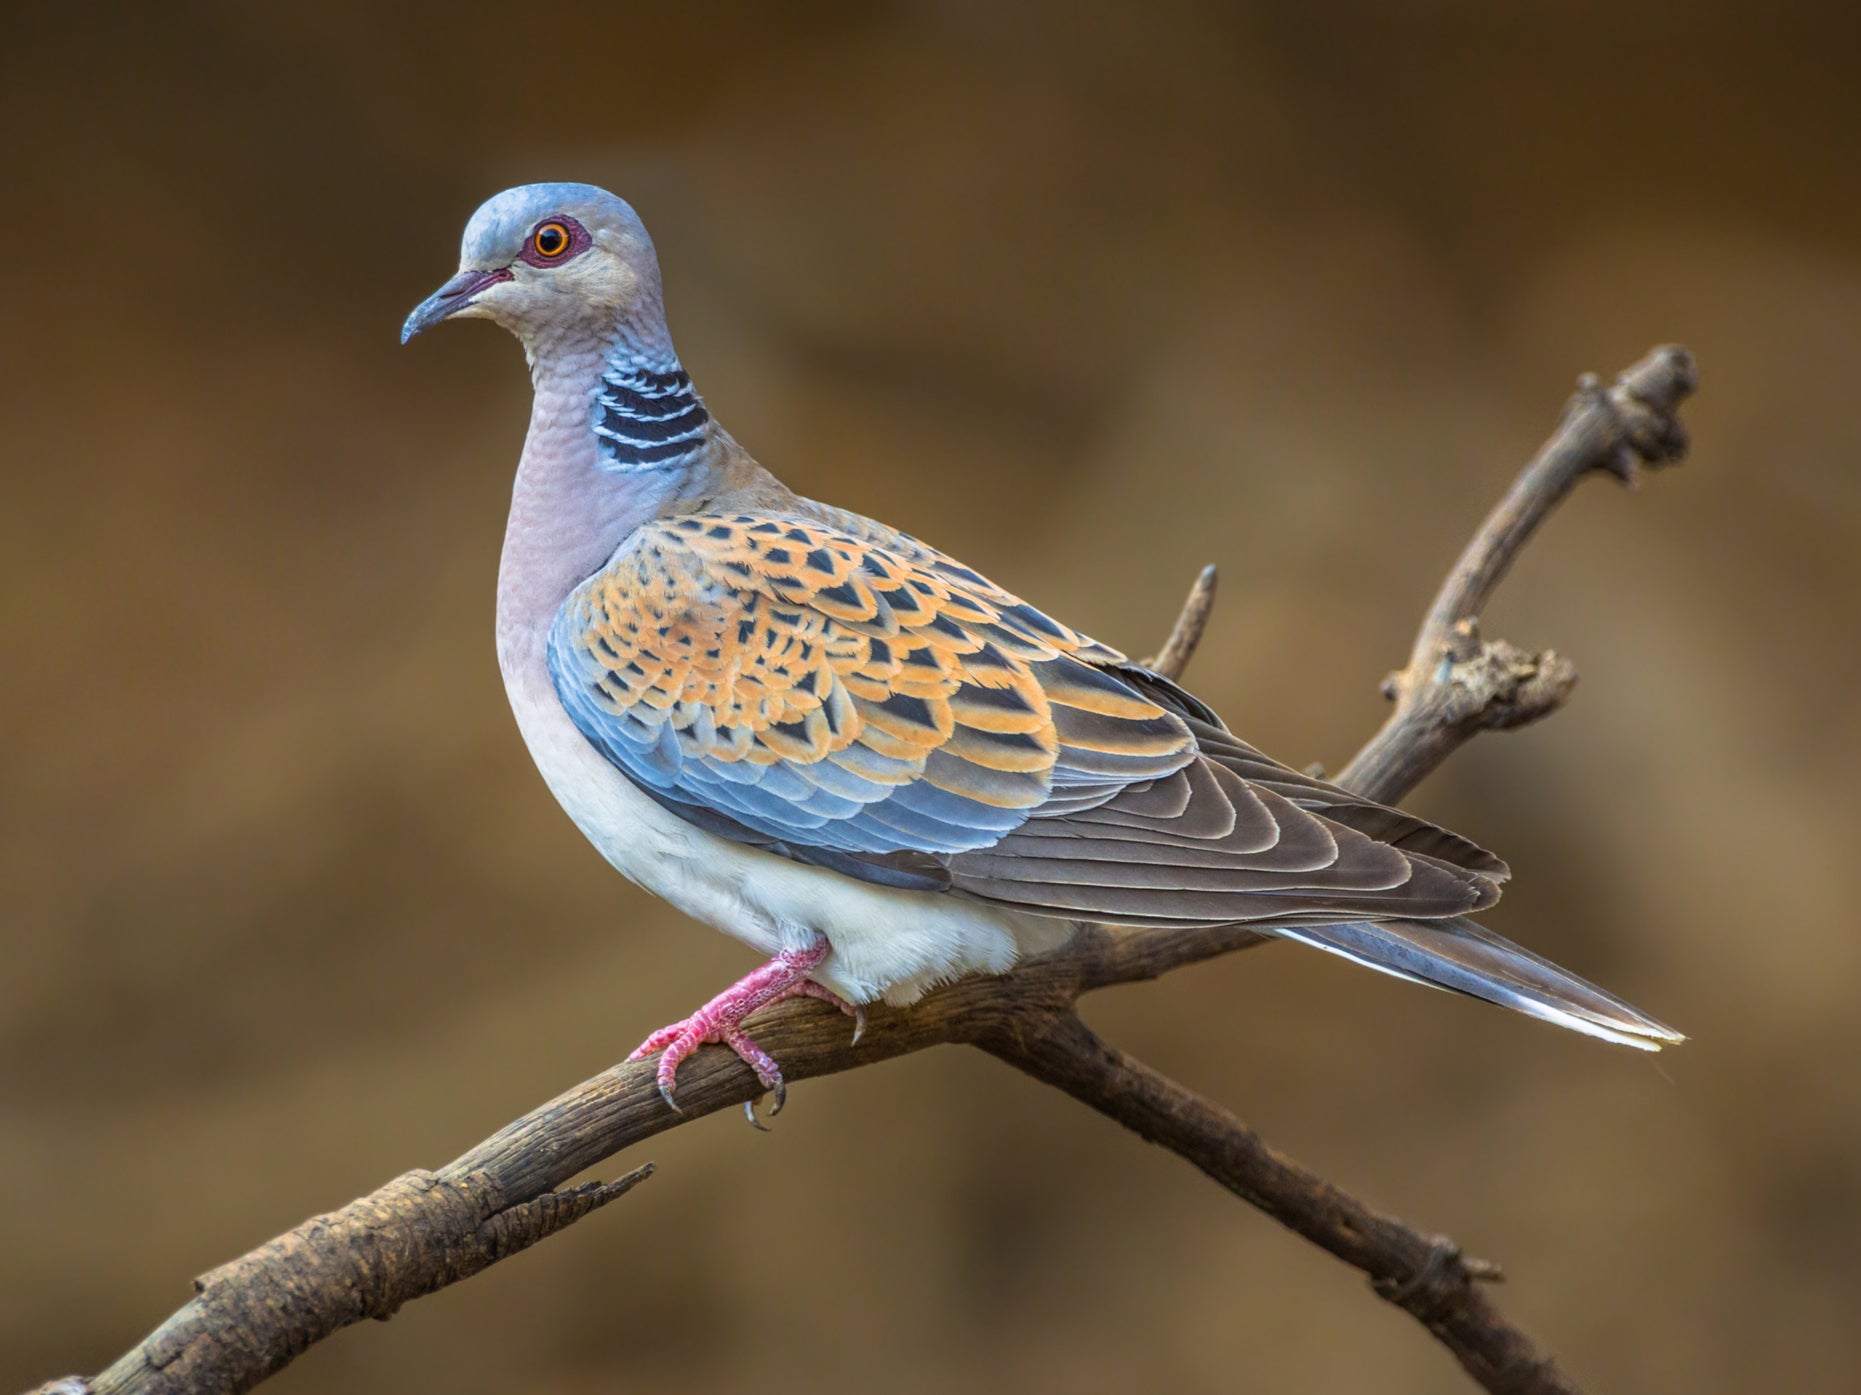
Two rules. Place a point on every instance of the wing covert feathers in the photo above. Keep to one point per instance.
(791, 684)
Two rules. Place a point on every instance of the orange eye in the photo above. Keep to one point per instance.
(550, 240)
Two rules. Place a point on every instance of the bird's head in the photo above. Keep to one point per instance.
(543, 259)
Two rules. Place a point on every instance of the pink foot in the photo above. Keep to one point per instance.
(721, 1020)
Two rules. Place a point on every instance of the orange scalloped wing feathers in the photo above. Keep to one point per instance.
(867, 706)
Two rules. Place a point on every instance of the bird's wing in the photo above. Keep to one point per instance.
(1396, 827)
(864, 703)
(783, 682)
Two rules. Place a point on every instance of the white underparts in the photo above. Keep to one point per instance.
(885, 943)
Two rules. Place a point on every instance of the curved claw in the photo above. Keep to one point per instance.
(777, 1087)
(859, 1022)
(665, 1093)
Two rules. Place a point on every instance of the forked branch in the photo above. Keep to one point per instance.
(422, 1231)
(1456, 683)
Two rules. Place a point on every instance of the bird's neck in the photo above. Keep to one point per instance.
(647, 416)
(617, 436)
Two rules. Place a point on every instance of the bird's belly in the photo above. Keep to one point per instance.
(886, 943)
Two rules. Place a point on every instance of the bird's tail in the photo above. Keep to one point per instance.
(1462, 957)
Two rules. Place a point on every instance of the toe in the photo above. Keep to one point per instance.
(758, 1060)
(808, 988)
(658, 1041)
(685, 1040)
(767, 1071)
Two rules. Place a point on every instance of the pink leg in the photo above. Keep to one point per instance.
(721, 1020)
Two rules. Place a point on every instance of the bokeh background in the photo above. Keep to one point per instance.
(1089, 296)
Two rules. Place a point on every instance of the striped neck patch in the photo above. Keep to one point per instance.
(647, 419)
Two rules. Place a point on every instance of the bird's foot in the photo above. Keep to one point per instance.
(721, 1020)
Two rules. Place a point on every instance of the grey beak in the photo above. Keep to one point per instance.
(450, 298)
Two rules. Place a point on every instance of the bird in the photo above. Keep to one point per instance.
(856, 754)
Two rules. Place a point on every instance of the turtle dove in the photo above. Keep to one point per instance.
(856, 754)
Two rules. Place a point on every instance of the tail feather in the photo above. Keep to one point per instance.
(1462, 957)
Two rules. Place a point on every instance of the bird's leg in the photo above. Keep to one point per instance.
(721, 1020)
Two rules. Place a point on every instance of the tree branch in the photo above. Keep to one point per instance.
(423, 1230)
(1455, 683)
(1426, 1276)
(1186, 633)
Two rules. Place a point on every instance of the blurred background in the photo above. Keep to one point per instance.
(1289, 288)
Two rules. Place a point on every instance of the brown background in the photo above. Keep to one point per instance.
(1088, 297)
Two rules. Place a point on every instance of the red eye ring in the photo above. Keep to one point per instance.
(551, 240)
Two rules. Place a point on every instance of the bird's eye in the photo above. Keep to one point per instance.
(550, 240)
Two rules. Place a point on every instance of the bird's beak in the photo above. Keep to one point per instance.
(450, 299)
